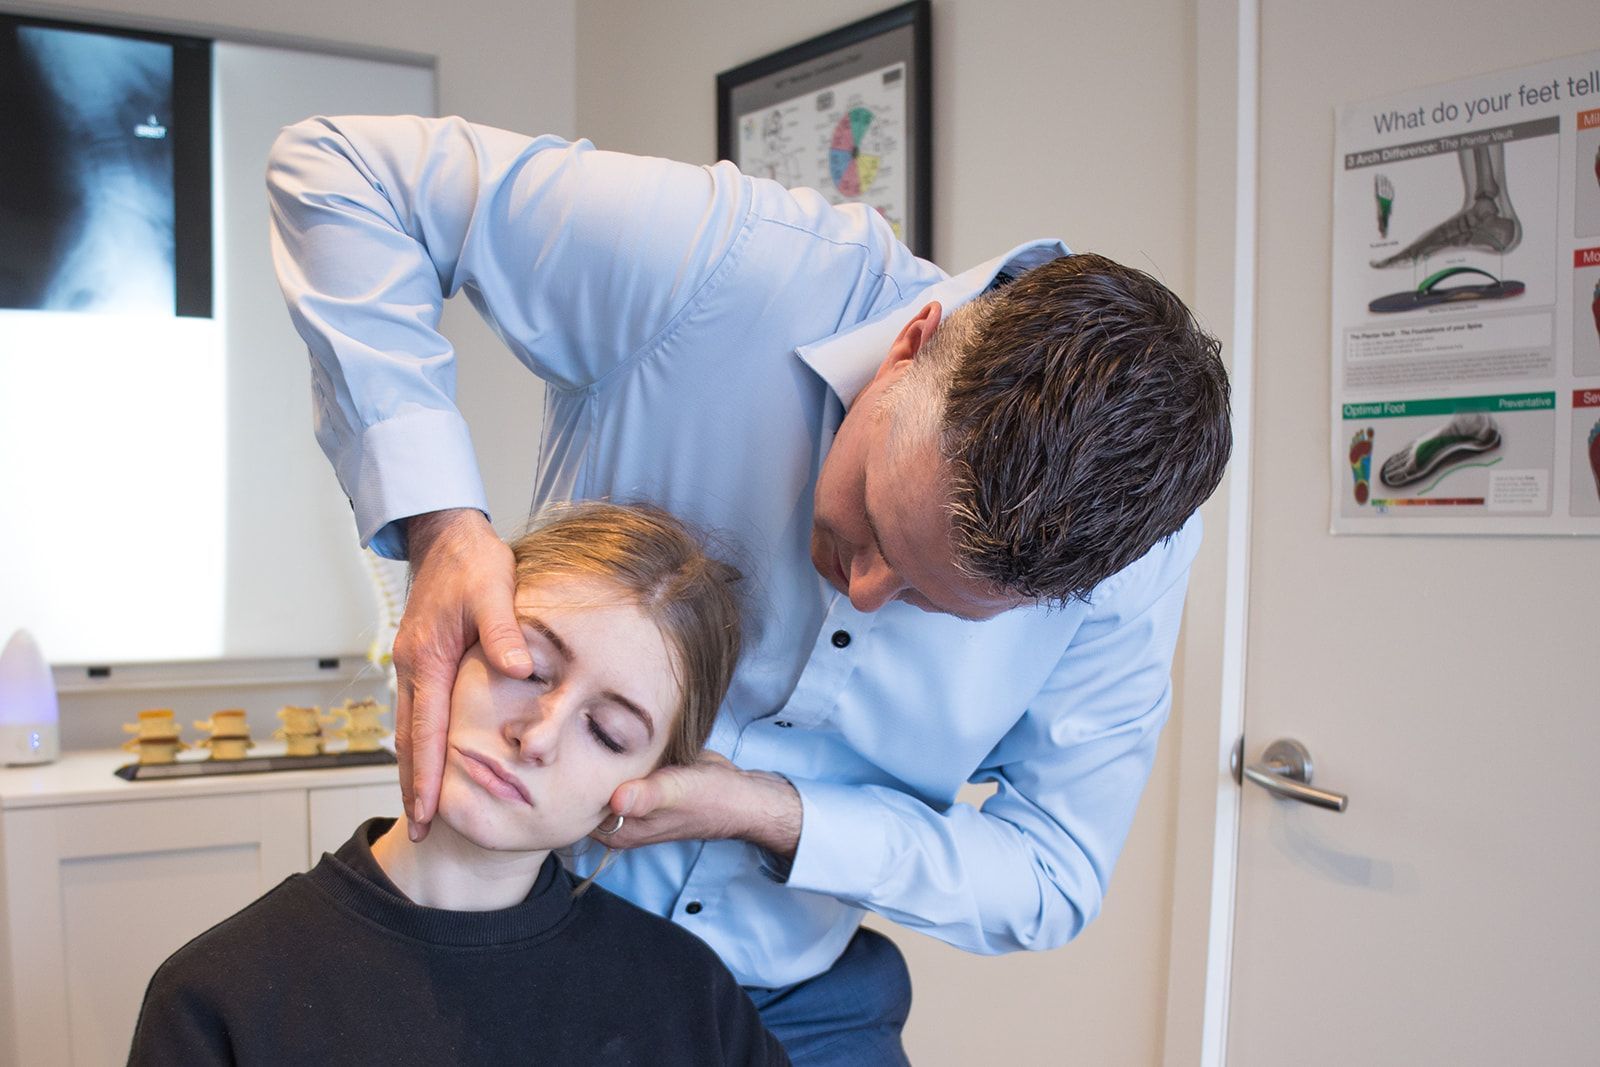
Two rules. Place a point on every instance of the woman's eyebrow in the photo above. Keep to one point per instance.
(549, 635)
(633, 709)
(566, 653)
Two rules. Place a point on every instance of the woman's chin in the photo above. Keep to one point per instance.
(478, 822)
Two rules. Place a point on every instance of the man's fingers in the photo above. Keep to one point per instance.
(504, 645)
(649, 796)
(461, 594)
(402, 741)
(430, 723)
(635, 799)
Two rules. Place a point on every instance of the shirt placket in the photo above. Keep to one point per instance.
(836, 653)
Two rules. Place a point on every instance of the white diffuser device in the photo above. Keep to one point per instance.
(30, 717)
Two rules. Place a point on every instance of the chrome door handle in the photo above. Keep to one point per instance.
(1285, 771)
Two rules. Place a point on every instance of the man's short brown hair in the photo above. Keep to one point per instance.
(1084, 419)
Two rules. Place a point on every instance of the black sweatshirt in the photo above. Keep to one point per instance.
(338, 966)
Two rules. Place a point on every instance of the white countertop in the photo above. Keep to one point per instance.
(88, 778)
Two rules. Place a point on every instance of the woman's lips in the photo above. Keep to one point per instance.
(493, 777)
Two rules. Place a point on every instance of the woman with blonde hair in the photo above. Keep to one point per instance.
(476, 944)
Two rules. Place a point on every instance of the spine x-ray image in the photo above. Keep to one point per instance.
(89, 184)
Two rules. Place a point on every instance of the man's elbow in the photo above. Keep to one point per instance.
(1061, 916)
(295, 154)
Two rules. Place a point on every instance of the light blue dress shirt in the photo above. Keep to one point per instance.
(701, 334)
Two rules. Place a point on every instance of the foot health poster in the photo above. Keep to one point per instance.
(1466, 306)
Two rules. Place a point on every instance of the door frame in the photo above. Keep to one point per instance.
(1211, 692)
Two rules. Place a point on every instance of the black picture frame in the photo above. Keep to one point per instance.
(848, 113)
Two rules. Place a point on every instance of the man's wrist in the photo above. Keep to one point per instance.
(773, 814)
(422, 531)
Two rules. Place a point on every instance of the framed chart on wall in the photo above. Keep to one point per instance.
(846, 113)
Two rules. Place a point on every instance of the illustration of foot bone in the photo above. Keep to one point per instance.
(1463, 437)
(1383, 193)
(1486, 222)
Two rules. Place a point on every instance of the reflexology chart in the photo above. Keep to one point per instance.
(1466, 306)
(847, 141)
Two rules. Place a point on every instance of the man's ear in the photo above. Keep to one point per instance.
(913, 335)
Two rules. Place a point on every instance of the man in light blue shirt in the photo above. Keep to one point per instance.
(963, 505)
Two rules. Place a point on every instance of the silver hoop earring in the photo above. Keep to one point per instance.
(605, 832)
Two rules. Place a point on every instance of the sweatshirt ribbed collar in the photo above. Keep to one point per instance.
(352, 877)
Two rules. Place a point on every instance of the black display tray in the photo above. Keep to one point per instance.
(148, 772)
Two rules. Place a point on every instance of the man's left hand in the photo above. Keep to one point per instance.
(709, 799)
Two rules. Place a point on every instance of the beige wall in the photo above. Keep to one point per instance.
(1051, 117)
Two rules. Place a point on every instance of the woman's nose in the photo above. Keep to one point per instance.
(535, 733)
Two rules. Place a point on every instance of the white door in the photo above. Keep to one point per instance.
(1449, 686)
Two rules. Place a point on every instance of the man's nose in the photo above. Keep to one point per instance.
(873, 583)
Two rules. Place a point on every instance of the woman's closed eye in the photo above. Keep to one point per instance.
(599, 733)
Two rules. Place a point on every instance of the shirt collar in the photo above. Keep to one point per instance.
(848, 360)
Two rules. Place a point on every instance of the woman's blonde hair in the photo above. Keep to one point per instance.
(661, 566)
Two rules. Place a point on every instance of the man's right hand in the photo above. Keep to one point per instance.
(462, 588)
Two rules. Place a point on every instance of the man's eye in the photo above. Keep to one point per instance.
(603, 737)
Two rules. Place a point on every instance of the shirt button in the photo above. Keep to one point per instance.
(841, 638)
(693, 907)
(784, 723)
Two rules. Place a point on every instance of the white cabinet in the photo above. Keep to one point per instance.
(336, 811)
(101, 879)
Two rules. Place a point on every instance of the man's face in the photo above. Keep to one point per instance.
(880, 530)
(531, 763)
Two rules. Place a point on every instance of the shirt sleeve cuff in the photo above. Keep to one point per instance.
(410, 465)
(843, 841)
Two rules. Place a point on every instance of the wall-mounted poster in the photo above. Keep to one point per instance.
(1466, 306)
(846, 114)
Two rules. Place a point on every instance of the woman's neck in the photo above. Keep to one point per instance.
(444, 870)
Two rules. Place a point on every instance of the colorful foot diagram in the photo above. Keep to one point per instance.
(1361, 463)
(1595, 307)
(1467, 435)
(1594, 455)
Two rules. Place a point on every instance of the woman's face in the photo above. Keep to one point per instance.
(531, 763)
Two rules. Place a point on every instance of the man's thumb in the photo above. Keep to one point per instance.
(507, 651)
(630, 800)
